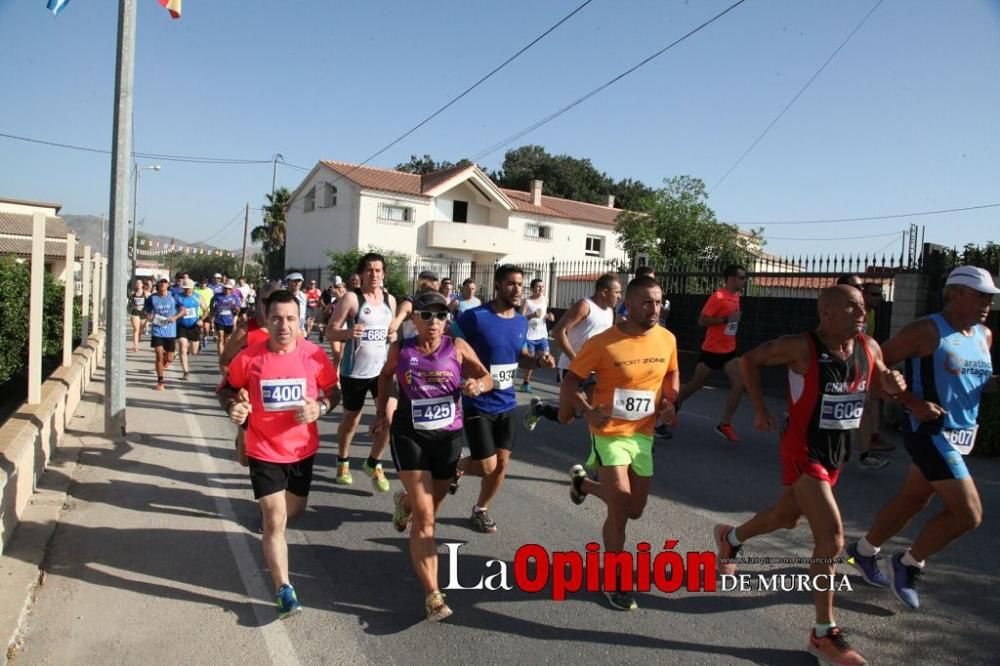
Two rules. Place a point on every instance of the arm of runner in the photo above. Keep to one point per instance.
(669, 389)
(347, 308)
(528, 361)
(915, 340)
(403, 311)
(573, 401)
(570, 319)
(477, 376)
(380, 424)
(234, 344)
(312, 410)
(709, 315)
(790, 350)
(233, 396)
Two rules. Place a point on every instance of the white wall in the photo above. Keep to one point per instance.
(568, 239)
(310, 235)
(392, 236)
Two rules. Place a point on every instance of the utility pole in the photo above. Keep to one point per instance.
(274, 171)
(246, 228)
(117, 274)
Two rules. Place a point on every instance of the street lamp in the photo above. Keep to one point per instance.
(137, 171)
(274, 171)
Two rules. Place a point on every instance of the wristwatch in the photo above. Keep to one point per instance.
(323, 408)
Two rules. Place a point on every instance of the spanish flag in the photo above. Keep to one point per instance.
(172, 6)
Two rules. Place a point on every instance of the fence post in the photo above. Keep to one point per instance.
(69, 293)
(553, 284)
(104, 287)
(36, 302)
(95, 291)
(85, 296)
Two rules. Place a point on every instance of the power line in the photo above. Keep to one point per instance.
(869, 218)
(795, 98)
(834, 238)
(577, 102)
(155, 156)
(224, 227)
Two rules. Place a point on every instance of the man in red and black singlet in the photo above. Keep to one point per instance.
(830, 372)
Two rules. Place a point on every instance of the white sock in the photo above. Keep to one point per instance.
(909, 561)
(732, 539)
(820, 629)
(866, 549)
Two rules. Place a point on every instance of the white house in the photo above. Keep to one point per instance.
(455, 215)
(16, 230)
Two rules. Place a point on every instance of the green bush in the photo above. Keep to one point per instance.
(988, 440)
(15, 285)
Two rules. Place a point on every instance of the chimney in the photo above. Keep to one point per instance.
(536, 192)
(611, 201)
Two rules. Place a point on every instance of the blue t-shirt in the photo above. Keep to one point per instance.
(163, 307)
(216, 288)
(498, 342)
(191, 305)
(225, 308)
(176, 291)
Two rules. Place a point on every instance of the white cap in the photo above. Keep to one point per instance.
(293, 276)
(231, 284)
(973, 278)
(338, 280)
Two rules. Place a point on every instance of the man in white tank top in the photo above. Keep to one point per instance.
(535, 310)
(365, 341)
(588, 317)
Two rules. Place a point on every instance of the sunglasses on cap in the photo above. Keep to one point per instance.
(427, 315)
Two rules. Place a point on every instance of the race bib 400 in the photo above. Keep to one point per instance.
(280, 395)
(841, 412)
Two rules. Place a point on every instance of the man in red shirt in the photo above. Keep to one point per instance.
(313, 302)
(721, 319)
(280, 387)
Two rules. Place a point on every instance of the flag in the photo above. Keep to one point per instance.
(172, 6)
(56, 6)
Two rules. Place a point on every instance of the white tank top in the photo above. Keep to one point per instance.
(364, 359)
(536, 325)
(597, 321)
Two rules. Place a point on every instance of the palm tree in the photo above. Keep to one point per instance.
(271, 234)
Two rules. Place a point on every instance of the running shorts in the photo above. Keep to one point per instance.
(268, 478)
(435, 453)
(488, 432)
(936, 459)
(635, 450)
(169, 344)
(716, 361)
(353, 392)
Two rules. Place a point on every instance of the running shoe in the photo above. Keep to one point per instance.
(400, 517)
(287, 601)
(663, 431)
(482, 522)
(185, 376)
(866, 566)
(453, 486)
(726, 431)
(727, 551)
(621, 600)
(872, 461)
(379, 482)
(436, 608)
(577, 474)
(532, 415)
(903, 581)
(526, 388)
(343, 474)
(159, 386)
(833, 648)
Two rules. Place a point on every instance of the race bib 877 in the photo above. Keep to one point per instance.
(631, 405)
(281, 395)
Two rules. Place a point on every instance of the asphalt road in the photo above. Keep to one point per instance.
(156, 558)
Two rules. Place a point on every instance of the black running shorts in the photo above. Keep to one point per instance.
(488, 432)
(436, 453)
(353, 392)
(268, 478)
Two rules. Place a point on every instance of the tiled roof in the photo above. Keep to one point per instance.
(19, 224)
(372, 178)
(431, 180)
(22, 248)
(36, 204)
(567, 208)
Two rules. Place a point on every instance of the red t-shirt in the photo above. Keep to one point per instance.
(312, 298)
(255, 333)
(277, 384)
(721, 338)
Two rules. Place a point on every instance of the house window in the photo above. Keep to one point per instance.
(595, 245)
(537, 232)
(393, 214)
(310, 201)
(329, 199)
(460, 212)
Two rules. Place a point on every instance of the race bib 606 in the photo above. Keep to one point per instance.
(433, 413)
(632, 405)
(961, 440)
(841, 412)
(503, 375)
(280, 395)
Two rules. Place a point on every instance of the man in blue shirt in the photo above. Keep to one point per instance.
(189, 326)
(497, 332)
(162, 311)
(225, 307)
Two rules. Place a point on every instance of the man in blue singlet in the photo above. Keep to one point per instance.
(225, 307)
(947, 369)
(497, 332)
(163, 310)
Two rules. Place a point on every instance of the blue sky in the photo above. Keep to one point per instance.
(902, 120)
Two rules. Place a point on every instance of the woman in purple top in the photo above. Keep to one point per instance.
(431, 371)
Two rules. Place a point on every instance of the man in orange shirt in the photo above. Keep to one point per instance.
(635, 363)
(721, 318)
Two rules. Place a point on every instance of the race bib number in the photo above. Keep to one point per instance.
(841, 412)
(433, 413)
(282, 395)
(503, 375)
(190, 313)
(631, 405)
(374, 336)
(225, 312)
(732, 327)
(160, 320)
(961, 440)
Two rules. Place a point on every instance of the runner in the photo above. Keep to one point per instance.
(497, 333)
(635, 364)
(313, 312)
(224, 308)
(176, 290)
(354, 282)
(328, 299)
(205, 293)
(829, 372)
(403, 319)
(642, 271)
(446, 290)
(294, 284)
(189, 326)
(280, 388)
(721, 318)
(137, 312)
(467, 300)
(163, 310)
(368, 312)
(948, 367)
(534, 310)
(218, 284)
(587, 318)
(426, 429)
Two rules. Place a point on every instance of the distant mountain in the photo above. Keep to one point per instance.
(88, 230)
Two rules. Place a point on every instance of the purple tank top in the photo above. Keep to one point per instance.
(430, 386)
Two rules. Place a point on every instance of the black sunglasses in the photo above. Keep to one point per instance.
(427, 315)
